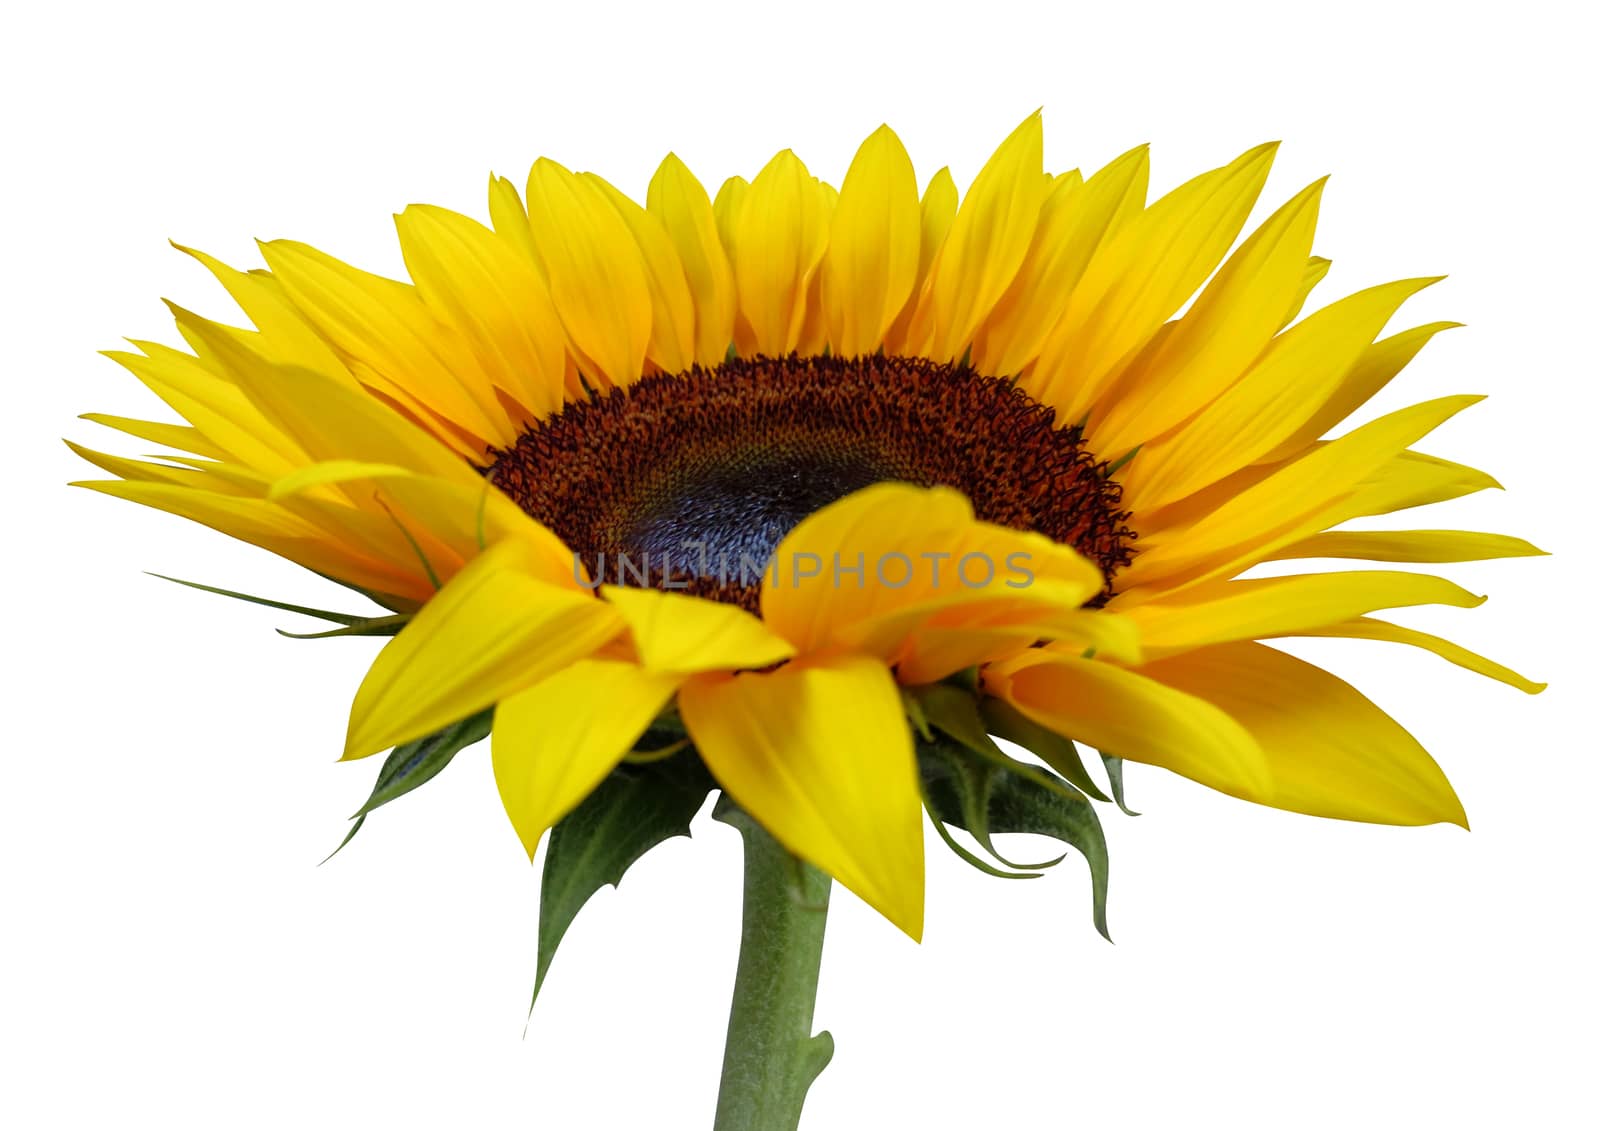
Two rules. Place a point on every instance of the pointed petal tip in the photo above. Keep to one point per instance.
(908, 918)
(355, 746)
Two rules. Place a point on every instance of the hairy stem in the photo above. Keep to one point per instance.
(771, 1056)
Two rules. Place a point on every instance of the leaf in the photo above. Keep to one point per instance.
(1056, 751)
(633, 810)
(1114, 774)
(1016, 803)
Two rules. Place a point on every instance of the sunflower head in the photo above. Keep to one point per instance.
(810, 495)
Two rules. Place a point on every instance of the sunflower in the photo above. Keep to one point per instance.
(772, 466)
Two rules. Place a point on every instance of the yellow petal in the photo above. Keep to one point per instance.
(1411, 479)
(1139, 279)
(871, 571)
(1407, 479)
(779, 236)
(819, 753)
(873, 246)
(813, 338)
(228, 478)
(491, 632)
(445, 522)
(1377, 365)
(1229, 325)
(510, 219)
(1366, 628)
(672, 308)
(556, 741)
(142, 471)
(938, 213)
(267, 525)
(1124, 713)
(678, 201)
(214, 405)
(985, 246)
(490, 293)
(1409, 546)
(184, 437)
(1289, 504)
(674, 632)
(1077, 218)
(934, 652)
(250, 520)
(327, 419)
(1299, 370)
(1277, 606)
(725, 209)
(286, 336)
(595, 271)
(1316, 271)
(390, 339)
(1331, 752)
(330, 471)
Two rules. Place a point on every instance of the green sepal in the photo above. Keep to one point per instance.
(1114, 776)
(1015, 803)
(388, 600)
(636, 808)
(321, 614)
(413, 763)
(954, 845)
(915, 715)
(1019, 805)
(371, 626)
(953, 712)
(1122, 461)
(355, 827)
(1056, 751)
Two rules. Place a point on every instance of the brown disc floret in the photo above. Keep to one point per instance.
(660, 481)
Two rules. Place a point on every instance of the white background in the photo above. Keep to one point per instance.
(174, 956)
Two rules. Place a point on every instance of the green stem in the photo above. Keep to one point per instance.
(771, 1056)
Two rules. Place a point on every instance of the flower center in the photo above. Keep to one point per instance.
(681, 478)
